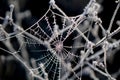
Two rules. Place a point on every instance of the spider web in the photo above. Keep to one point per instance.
(55, 42)
(51, 29)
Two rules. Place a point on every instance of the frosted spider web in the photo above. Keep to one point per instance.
(54, 29)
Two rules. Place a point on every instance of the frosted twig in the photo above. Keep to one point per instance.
(96, 69)
(113, 17)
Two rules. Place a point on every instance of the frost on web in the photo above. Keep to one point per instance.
(59, 42)
(56, 49)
